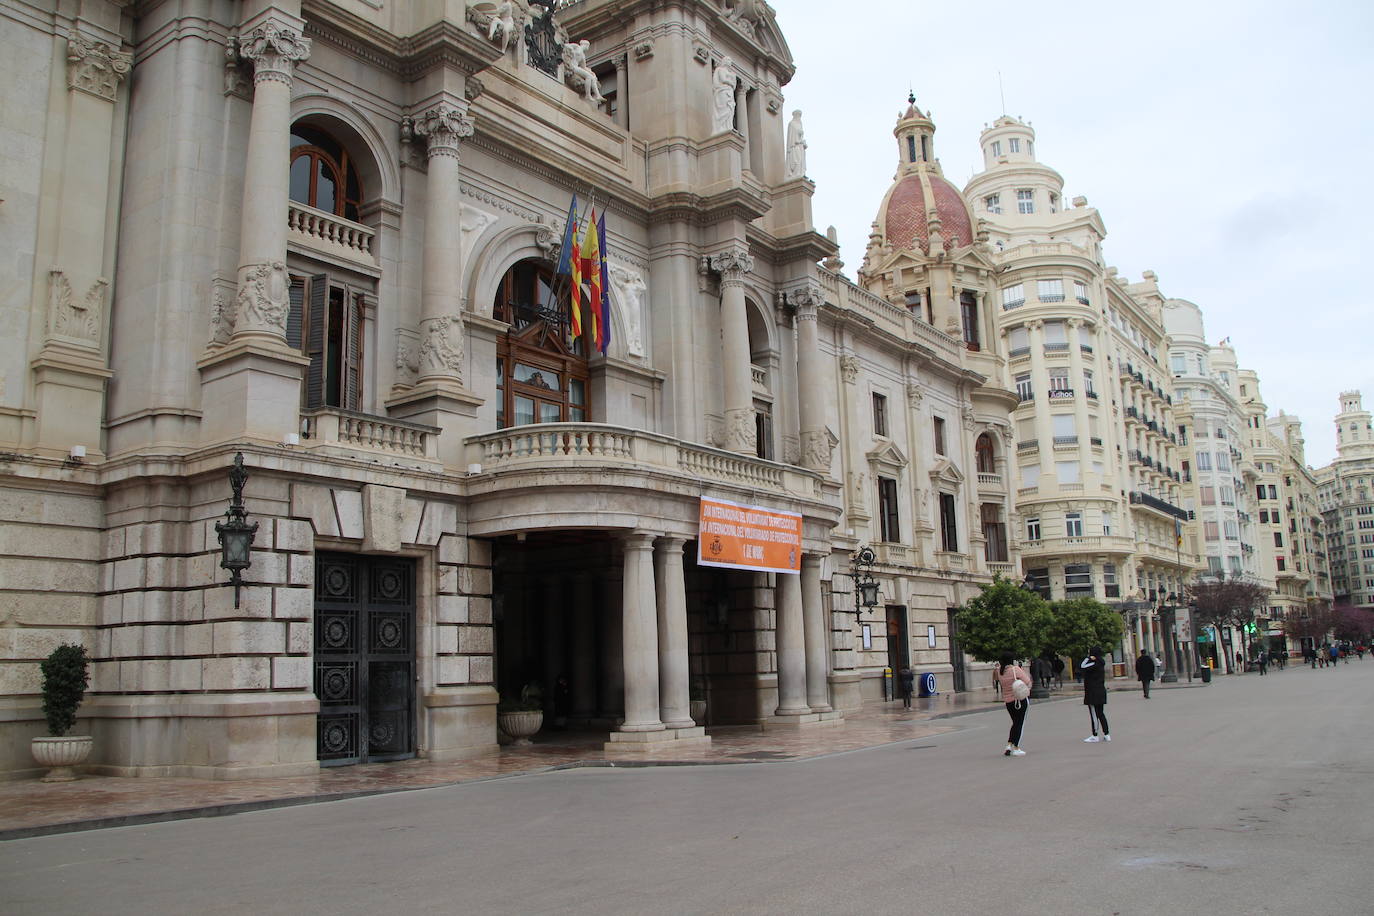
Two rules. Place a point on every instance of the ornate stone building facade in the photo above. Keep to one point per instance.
(1346, 501)
(327, 239)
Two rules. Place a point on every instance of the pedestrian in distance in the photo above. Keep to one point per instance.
(1058, 666)
(1093, 670)
(1263, 661)
(906, 683)
(1041, 671)
(1335, 654)
(1004, 676)
(1145, 671)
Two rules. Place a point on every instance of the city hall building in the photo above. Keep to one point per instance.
(327, 236)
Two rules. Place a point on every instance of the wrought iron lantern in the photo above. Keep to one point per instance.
(865, 586)
(236, 533)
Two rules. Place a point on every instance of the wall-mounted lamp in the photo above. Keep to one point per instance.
(235, 533)
(865, 586)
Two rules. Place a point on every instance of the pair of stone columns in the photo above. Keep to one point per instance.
(654, 628)
(803, 669)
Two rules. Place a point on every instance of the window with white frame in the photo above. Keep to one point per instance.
(1234, 563)
(1228, 496)
(1024, 390)
(1050, 290)
(1055, 335)
(1109, 584)
(1012, 296)
(1204, 461)
(1214, 565)
(1179, 363)
(1025, 200)
(1059, 379)
(1032, 529)
(1018, 340)
(993, 203)
(1080, 291)
(1065, 428)
(1030, 476)
(997, 147)
(1078, 579)
(1073, 524)
(1223, 460)
(1014, 145)
(1232, 530)
(1211, 531)
(1067, 472)
(1088, 382)
(1107, 519)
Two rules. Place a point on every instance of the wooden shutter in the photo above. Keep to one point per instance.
(316, 327)
(295, 315)
(353, 351)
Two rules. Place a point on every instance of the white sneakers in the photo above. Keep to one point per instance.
(1017, 752)
(1093, 739)
(1106, 737)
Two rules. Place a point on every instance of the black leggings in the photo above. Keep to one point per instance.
(1096, 714)
(1017, 711)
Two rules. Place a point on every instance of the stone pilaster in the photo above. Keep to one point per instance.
(733, 265)
(816, 441)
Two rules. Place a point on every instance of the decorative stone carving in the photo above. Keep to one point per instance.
(407, 357)
(849, 368)
(645, 50)
(732, 265)
(970, 422)
(747, 14)
(914, 393)
(796, 148)
(441, 347)
(833, 263)
(95, 67)
(273, 48)
(261, 303)
(774, 106)
(72, 318)
(506, 23)
(739, 430)
(630, 291)
(577, 74)
(548, 242)
(474, 223)
(701, 55)
(441, 127)
(817, 446)
(221, 318)
(723, 82)
(806, 299)
(473, 88)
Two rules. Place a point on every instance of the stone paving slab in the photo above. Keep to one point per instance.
(33, 808)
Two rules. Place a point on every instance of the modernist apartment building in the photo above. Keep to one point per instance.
(1098, 477)
(1346, 502)
(328, 239)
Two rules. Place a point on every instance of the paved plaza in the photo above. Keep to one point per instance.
(1245, 796)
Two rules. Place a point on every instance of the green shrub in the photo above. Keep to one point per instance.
(65, 678)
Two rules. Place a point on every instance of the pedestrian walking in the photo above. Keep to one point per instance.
(1058, 665)
(1093, 670)
(1335, 655)
(1006, 674)
(1263, 661)
(906, 683)
(1145, 671)
(1041, 671)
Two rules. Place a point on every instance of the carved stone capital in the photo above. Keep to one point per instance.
(95, 67)
(732, 265)
(273, 48)
(442, 127)
(807, 298)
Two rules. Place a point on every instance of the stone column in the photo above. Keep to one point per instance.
(816, 635)
(584, 648)
(673, 674)
(815, 440)
(640, 623)
(742, 118)
(273, 45)
(622, 92)
(733, 265)
(441, 301)
(791, 648)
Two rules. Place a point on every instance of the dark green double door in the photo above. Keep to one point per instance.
(364, 658)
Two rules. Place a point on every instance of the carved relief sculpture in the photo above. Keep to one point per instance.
(261, 303)
(95, 67)
(75, 319)
(631, 288)
(849, 368)
(441, 350)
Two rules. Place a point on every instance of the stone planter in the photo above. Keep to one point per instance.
(698, 711)
(61, 755)
(521, 724)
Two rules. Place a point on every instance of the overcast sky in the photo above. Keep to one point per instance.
(1226, 145)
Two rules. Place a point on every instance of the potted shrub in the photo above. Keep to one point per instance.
(522, 716)
(65, 678)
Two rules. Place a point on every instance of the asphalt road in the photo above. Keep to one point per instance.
(1251, 795)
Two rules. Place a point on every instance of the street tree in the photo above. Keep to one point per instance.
(1352, 624)
(1078, 624)
(1003, 618)
(1218, 601)
(1312, 623)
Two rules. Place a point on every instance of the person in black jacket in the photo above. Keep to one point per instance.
(1093, 670)
(1145, 671)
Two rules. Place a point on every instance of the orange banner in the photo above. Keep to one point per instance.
(749, 537)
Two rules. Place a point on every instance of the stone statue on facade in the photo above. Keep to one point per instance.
(723, 82)
(576, 72)
(796, 148)
(630, 289)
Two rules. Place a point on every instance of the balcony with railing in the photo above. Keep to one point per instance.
(332, 236)
(1061, 442)
(354, 431)
(1154, 502)
(989, 481)
(1057, 347)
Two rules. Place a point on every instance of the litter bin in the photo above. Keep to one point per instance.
(927, 682)
(1206, 672)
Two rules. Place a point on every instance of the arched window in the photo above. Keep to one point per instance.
(982, 449)
(322, 175)
(541, 370)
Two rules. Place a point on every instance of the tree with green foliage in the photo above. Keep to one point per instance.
(1004, 618)
(1079, 624)
(65, 679)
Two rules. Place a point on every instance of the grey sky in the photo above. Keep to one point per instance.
(1218, 139)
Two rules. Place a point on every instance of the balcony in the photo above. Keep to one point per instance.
(759, 376)
(1018, 352)
(1065, 441)
(1061, 394)
(1013, 304)
(1028, 445)
(355, 431)
(332, 236)
(1057, 347)
(1153, 502)
(989, 481)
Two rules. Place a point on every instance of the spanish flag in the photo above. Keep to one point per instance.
(575, 263)
(590, 271)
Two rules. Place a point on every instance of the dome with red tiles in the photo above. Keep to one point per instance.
(905, 216)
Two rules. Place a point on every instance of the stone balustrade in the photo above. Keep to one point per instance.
(350, 429)
(331, 235)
